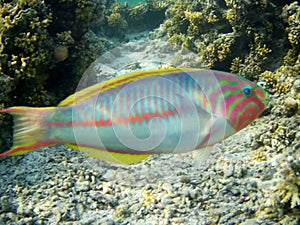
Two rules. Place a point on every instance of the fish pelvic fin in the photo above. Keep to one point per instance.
(29, 131)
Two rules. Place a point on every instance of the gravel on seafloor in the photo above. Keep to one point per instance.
(235, 185)
(56, 185)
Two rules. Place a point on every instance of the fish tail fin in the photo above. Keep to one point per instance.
(29, 131)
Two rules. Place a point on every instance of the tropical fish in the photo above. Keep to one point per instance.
(130, 117)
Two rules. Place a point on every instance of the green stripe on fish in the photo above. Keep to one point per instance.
(128, 118)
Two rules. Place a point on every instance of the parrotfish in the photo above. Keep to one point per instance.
(130, 117)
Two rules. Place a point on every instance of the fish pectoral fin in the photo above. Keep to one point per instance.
(115, 157)
(200, 157)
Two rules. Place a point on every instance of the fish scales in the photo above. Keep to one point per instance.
(143, 113)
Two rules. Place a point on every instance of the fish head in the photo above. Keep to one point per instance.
(244, 101)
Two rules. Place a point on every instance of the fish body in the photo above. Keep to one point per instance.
(130, 117)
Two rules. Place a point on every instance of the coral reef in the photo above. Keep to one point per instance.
(24, 49)
(258, 40)
(254, 179)
(122, 18)
(117, 24)
(45, 45)
(41, 45)
(251, 38)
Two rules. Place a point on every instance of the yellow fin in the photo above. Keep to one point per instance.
(114, 157)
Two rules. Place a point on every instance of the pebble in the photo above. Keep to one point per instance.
(82, 186)
(167, 187)
(291, 103)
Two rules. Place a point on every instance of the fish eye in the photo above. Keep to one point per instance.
(247, 90)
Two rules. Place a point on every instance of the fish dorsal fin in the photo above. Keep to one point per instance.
(114, 157)
(116, 82)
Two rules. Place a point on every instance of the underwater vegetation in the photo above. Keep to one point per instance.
(43, 46)
(251, 38)
(122, 18)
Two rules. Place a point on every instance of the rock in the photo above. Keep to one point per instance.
(4, 202)
(291, 103)
(82, 186)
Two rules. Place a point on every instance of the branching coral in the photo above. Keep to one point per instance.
(218, 50)
(229, 31)
(274, 85)
(248, 36)
(236, 65)
(284, 189)
(281, 199)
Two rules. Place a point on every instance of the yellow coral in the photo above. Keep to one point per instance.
(272, 80)
(230, 15)
(122, 210)
(291, 57)
(259, 156)
(147, 197)
(177, 39)
(24, 61)
(236, 65)
(223, 51)
(65, 38)
(231, 4)
(117, 23)
(136, 10)
(218, 50)
(294, 28)
(260, 50)
(212, 18)
(193, 16)
(261, 4)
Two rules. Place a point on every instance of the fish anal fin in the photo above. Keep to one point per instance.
(115, 157)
